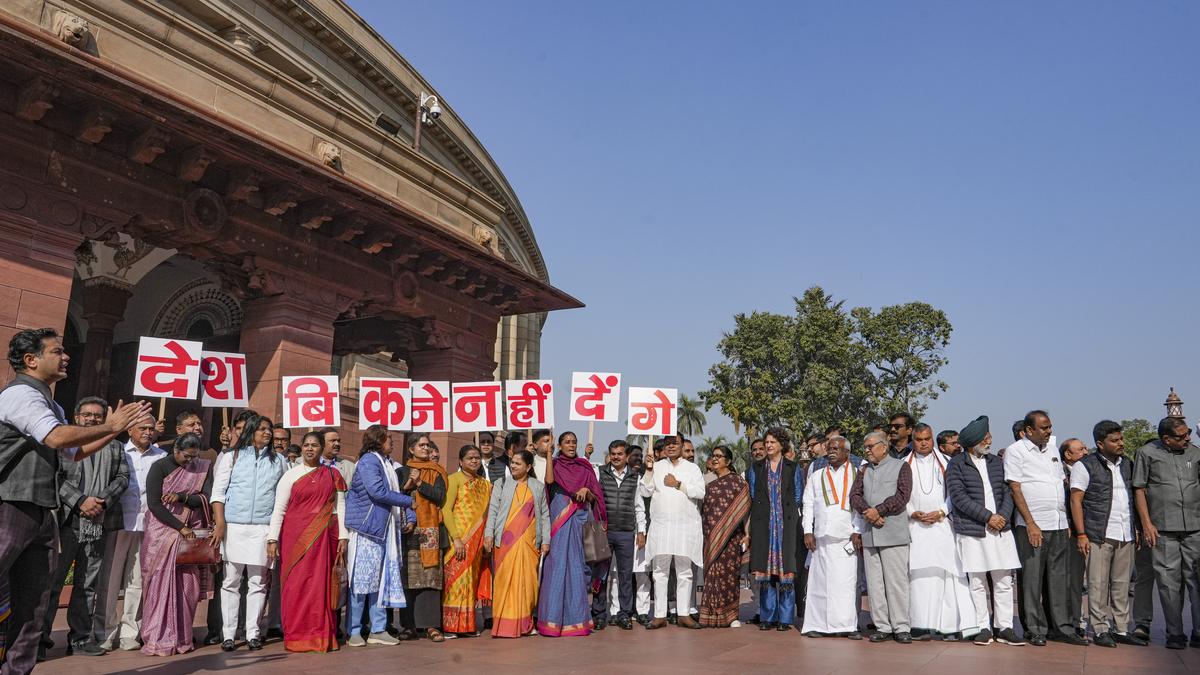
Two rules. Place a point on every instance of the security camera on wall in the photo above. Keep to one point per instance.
(435, 111)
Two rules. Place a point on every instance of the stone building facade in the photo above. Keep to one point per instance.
(241, 172)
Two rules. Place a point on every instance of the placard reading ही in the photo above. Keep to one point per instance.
(223, 380)
(430, 407)
(529, 404)
(595, 397)
(167, 368)
(476, 406)
(652, 410)
(311, 401)
(386, 401)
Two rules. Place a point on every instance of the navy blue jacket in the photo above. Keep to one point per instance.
(370, 500)
(964, 487)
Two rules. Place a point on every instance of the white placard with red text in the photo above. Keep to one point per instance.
(477, 406)
(386, 401)
(167, 368)
(529, 404)
(311, 401)
(430, 407)
(653, 410)
(223, 382)
(595, 397)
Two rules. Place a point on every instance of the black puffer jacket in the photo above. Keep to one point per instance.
(964, 487)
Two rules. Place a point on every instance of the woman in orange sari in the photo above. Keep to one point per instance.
(468, 581)
(518, 525)
(308, 533)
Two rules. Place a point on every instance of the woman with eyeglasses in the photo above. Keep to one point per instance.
(724, 512)
(177, 490)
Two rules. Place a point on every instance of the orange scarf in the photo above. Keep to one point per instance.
(429, 515)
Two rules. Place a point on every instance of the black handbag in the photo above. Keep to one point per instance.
(595, 541)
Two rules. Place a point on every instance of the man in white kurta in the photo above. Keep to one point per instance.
(939, 595)
(832, 534)
(675, 487)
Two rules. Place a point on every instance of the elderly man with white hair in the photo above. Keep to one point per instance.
(832, 534)
(881, 494)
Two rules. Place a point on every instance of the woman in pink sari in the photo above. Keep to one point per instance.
(176, 496)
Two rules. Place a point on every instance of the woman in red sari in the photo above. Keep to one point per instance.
(308, 537)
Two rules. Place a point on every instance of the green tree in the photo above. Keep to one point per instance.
(1137, 432)
(741, 455)
(705, 447)
(690, 418)
(828, 365)
(906, 346)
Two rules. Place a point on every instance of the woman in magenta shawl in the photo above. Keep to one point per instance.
(177, 489)
(575, 496)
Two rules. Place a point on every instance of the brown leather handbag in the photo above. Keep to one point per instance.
(595, 541)
(198, 550)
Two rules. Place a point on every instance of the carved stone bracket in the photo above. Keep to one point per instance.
(35, 98)
(329, 154)
(348, 227)
(71, 29)
(312, 215)
(375, 240)
(243, 182)
(149, 145)
(430, 262)
(194, 162)
(242, 39)
(95, 124)
(280, 198)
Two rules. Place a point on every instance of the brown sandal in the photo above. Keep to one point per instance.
(435, 635)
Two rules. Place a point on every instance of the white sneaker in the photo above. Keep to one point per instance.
(381, 639)
(736, 624)
(356, 641)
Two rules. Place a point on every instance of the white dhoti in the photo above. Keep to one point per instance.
(938, 591)
(831, 603)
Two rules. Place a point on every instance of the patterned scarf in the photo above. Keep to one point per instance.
(429, 515)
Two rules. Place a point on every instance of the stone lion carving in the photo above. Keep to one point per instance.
(329, 154)
(71, 29)
(486, 237)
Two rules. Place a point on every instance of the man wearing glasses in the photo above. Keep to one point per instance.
(1167, 496)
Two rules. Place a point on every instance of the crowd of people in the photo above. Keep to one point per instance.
(529, 537)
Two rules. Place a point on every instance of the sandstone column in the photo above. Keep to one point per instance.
(104, 302)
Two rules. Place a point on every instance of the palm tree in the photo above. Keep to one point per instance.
(640, 440)
(705, 448)
(691, 417)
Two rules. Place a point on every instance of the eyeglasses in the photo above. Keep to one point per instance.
(871, 445)
(1185, 434)
(897, 426)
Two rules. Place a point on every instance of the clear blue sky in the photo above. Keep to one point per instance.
(1031, 168)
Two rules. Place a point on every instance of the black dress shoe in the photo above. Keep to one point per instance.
(1073, 639)
(643, 619)
(1194, 642)
(672, 618)
(766, 626)
(228, 646)
(85, 648)
(599, 624)
(274, 634)
(1176, 642)
(783, 627)
(951, 637)
(1037, 640)
(1129, 640)
(625, 623)
(879, 636)
(1142, 633)
(1105, 640)
(254, 644)
(904, 638)
(813, 634)
(212, 640)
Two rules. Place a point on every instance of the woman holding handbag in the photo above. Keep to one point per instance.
(177, 489)
(309, 538)
(575, 499)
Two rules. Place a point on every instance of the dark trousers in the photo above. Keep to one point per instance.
(88, 557)
(622, 545)
(28, 556)
(1044, 570)
(1076, 565)
(1143, 587)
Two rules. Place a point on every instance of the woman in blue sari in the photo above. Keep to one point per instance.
(575, 496)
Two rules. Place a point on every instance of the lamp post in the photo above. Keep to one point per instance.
(428, 110)
(1174, 405)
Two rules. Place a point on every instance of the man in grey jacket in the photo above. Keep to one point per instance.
(90, 492)
(881, 494)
